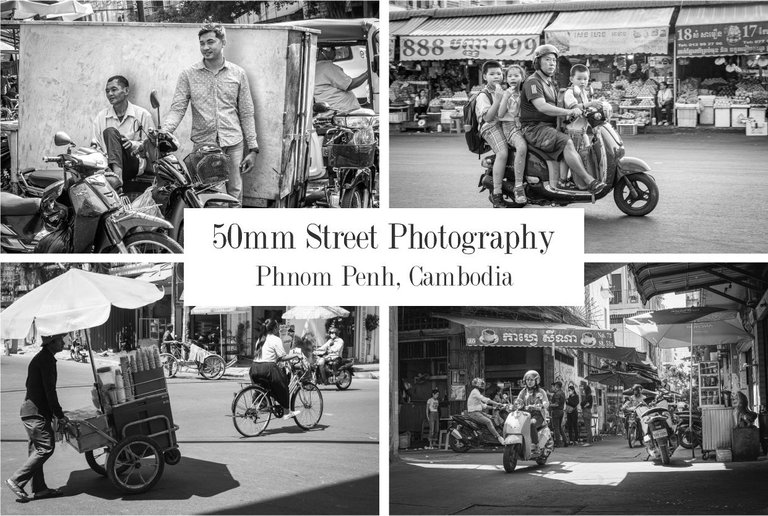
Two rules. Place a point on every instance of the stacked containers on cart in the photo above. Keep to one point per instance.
(722, 107)
(707, 115)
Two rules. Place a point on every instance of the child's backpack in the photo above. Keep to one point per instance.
(472, 126)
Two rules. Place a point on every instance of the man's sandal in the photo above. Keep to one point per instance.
(48, 493)
(596, 186)
(21, 495)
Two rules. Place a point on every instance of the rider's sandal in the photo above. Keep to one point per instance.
(596, 186)
(519, 193)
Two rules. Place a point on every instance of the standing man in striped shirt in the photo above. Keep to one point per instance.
(222, 107)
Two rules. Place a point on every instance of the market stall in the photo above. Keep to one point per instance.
(447, 53)
(626, 51)
(721, 57)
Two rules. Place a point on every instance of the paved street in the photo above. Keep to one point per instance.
(333, 469)
(606, 478)
(713, 190)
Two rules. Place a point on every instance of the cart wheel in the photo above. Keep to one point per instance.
(135, 464)
(97, 460)
(172, 456)
(212, 367)
(170, 365)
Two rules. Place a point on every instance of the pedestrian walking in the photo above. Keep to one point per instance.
(433, 416)
(557, 406)
(40, 407)
(586, 411)
(572, 414)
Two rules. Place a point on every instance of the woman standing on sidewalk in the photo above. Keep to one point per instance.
(572, 414)
(586, 410)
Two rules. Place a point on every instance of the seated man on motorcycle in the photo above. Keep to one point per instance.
(115, 130)
(631, 404)
(539, 112)
(476, 403)
(534, 399)
(333, 85)
(265, 366)
(329, 354)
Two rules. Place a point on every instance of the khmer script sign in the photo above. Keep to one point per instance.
(539, 337)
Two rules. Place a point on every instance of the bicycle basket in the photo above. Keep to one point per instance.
(209, 164)
(351, 156)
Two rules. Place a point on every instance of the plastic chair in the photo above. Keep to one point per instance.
(457, 124)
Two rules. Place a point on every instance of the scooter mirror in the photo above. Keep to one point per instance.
(153, 99)
(61, 138)
(321, 107)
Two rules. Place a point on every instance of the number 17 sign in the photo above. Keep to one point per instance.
(428, 48)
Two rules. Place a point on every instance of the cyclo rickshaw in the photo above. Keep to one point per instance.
(209, 365)
(129, 435)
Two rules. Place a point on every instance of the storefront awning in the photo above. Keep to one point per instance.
(219, 310)
(501, 37)
(722, 30)
(405, 27)
(539, 334)
(620, 31)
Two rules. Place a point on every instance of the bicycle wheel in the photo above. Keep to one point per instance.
(309, 401)
(251, 411)
(212, 367)
(170, 365)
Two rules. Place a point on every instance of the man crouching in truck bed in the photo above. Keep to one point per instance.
(222, 107)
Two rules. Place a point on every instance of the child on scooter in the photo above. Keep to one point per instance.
(486, 109)
(577, 95)
(509, 114)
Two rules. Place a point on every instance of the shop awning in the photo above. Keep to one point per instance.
(540, 334)
(501, 37)
(722, 30)
(405, 27)
(616, 31)
(219, 310)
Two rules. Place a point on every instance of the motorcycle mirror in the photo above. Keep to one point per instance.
(153, 99)
(62, 138)
(321, 107)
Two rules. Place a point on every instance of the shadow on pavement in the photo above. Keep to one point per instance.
(359, 496)
(190, 477)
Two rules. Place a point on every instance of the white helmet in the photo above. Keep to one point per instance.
(532, 374)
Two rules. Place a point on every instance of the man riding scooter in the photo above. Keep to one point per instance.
(476, 403)
(631, 404)
(535, 399)
(539, 112)
(329, 354)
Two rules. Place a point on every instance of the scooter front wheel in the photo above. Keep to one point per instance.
(642, 200)
(511, 453)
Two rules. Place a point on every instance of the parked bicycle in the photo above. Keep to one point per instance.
(209, 365)
(254, 405)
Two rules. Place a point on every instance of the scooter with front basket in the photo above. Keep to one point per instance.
(634, 190)
(517, 437)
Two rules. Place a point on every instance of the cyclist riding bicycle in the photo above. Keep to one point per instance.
(265, 368)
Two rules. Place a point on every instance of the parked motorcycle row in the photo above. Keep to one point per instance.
(81, 207)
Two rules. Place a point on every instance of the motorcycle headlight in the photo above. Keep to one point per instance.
(353, 122)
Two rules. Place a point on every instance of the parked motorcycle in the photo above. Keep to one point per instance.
(517, 438)
(634, 189)
(81, 212)
(659, 430)
(177, 186)
(465, 433)
(77, 352)
(689, 435)
(344, 159)
(341, 378)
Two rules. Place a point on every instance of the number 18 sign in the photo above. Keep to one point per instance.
(428, 48)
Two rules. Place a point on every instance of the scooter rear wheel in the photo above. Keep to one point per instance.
(343, 380)
(511, 452)
(664, 451)
(457, 445)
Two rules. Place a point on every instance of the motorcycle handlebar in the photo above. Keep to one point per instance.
(51, 159)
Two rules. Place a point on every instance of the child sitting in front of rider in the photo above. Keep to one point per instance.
(576, 95)
(487, 111)
(509, 114)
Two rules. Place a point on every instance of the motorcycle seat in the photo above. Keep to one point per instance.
(654, 411)
(15, 205)
(362, 112)
(43, 178)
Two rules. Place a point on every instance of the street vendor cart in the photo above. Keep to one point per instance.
(129, 434)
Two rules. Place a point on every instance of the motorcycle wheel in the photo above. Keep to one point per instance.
(511, 452)
(457, 445)
(648, 195)
(664, 451)
(152, 243)
(689, 438)
(631, 431)
(354, 199)
(343, 380)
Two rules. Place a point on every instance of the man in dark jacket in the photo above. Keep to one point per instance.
(556, 407)
(40, 406)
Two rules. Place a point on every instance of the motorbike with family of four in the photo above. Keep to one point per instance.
(542, 147)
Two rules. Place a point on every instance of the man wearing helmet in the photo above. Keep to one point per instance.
(632, 403)
(535, 400)
(476, 403)
(539, 112)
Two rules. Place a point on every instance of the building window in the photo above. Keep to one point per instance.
(616, 289)
(422, 321)
(565, 359)
(424, 349)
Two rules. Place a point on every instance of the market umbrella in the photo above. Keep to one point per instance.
(315, 312)
(73, 301)
(688, 327)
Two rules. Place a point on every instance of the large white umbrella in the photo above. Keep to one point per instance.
(74, 301)
(315, 312)
(67, 10)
